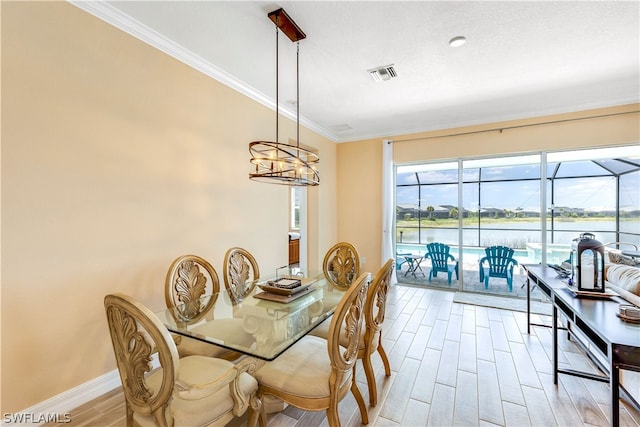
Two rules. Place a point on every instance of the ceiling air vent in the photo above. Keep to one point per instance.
(340, 128)
(383, 73)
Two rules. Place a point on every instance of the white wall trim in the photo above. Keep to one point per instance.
(135, 28)
(64, 402)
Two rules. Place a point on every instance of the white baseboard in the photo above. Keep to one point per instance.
(64, 402)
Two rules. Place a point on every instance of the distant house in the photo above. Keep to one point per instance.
(406, 211)
(492, 213)
(409, 211)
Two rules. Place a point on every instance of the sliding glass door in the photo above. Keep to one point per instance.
(501, 205)
(426, 212)
(535, 205)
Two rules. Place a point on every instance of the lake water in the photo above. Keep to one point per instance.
(516, 235)
(525, 238)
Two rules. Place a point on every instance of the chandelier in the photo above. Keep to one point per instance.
(275, 162)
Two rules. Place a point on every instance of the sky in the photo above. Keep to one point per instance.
(589, 193)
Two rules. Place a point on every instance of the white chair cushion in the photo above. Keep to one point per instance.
(193, 347)
(201, 376)
(199, 398)
(225, 329)
(322, 331)
(302, 370)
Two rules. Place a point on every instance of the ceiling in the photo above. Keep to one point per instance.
(521, 59)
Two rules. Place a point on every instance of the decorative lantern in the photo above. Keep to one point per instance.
(587, 263)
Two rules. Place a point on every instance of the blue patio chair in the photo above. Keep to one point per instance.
(440, 256)
(500, 263)
(400, 260)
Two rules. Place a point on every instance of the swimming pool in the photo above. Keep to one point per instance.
(470, 253)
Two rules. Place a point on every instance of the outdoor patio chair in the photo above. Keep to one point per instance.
(500, 263)
(440, 257)
(400, 260)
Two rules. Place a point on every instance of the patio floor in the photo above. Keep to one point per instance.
(471, 281)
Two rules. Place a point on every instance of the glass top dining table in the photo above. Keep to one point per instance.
(263, 328)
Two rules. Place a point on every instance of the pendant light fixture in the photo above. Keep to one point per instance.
(278, 163)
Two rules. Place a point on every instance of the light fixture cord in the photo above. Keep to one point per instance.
(298, 96)
(277, 79)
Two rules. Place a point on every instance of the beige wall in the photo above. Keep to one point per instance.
(116, 159)
(360, 199)
(359, 163)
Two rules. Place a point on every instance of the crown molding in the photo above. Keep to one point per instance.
(135, 28)
(395, 133)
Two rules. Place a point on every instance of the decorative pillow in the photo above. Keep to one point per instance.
(618, 258)
(625, 277)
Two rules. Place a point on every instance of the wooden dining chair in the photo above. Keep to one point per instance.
(240, 273)
(371, 336)
(341, 265)
(188, 279)
(374, 312)
(192, 391)
(316, 374)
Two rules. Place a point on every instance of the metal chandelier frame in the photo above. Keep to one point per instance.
(275, 162)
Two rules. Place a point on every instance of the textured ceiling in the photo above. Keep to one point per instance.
(522, 59)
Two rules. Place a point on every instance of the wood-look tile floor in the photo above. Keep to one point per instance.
(452, 365)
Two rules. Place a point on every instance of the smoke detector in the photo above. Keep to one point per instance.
(383, 73)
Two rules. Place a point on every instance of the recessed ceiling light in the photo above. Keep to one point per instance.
(457, 41)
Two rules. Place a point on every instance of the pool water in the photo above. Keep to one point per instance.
(470, 254)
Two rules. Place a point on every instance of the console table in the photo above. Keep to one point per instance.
(618, 341)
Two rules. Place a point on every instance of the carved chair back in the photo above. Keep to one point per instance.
(376, 303)
(374, 312)
(240, 273)
(189, 278)
(347, 321)
(341, 265)
(136, 334)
